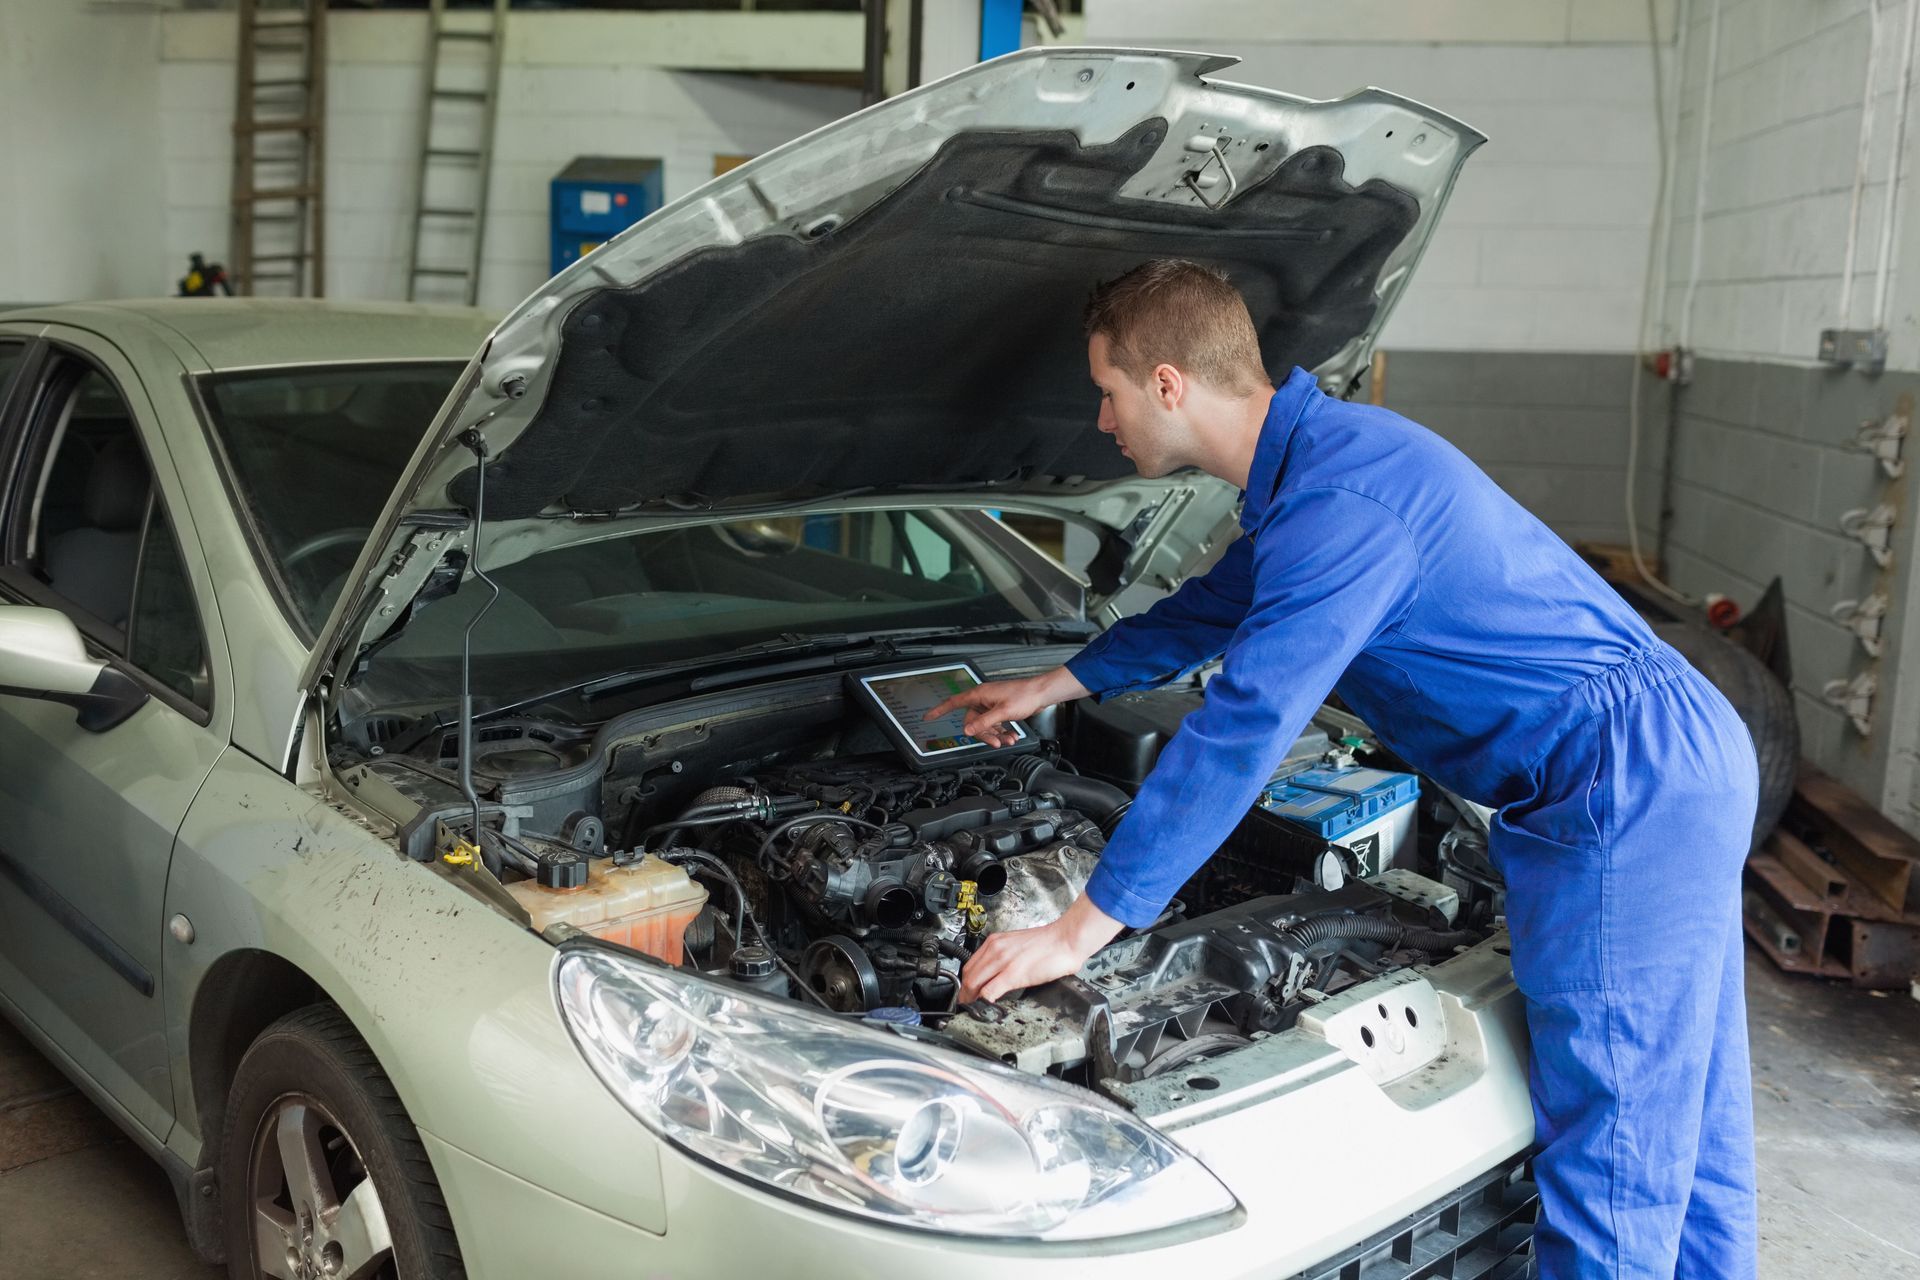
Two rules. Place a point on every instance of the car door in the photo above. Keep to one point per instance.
(92, 523)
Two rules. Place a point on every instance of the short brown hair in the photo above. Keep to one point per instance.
(1172, 311)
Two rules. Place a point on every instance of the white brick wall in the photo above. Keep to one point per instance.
(1543, 245)
(548, 114)
(1788, 82)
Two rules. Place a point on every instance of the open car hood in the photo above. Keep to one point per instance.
(890, 306)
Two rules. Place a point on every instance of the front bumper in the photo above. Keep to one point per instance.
(1331, 1168)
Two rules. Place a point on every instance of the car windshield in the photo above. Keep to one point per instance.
(652, 597)
(316, 451)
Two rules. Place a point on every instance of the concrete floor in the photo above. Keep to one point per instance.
(1836, 1108)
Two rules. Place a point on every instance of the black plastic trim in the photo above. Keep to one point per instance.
(1481, 1230)
(75, 922)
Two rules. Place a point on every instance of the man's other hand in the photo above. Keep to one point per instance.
(1021, 958)
(993, 706)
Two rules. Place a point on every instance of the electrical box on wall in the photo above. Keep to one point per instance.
(595, 198)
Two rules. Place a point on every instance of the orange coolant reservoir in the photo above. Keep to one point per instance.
(646, 905)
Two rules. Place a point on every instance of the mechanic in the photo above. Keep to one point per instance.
(1380, 562)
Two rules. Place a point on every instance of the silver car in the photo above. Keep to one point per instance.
(464, 813)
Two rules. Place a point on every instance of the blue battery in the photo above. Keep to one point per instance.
(1366, 810)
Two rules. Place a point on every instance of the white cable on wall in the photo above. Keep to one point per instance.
(1700, 176)
(1862, 149)
(1654, 241)
(1659, 335)
(1892, 205)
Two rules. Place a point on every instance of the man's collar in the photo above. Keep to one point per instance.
(1276, 433)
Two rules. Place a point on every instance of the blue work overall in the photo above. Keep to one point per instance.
(1378, 561)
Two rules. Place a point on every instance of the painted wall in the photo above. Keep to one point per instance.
(1550, 428)
(77, 88)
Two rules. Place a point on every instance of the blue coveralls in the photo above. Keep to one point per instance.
(1380, 562)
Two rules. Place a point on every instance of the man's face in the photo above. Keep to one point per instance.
(1148, 432)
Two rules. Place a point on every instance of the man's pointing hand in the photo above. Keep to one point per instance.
(993, 706)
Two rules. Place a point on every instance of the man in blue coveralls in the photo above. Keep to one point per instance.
(1380, 562)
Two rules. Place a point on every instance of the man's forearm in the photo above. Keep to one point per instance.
(1061, 685)
(1175, 635)
(1087, 927)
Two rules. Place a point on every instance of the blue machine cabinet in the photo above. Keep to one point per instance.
(596, 198)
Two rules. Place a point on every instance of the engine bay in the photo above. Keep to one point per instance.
(780, 840)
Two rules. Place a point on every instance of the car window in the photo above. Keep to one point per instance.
(100, 541)
(314, 452)
(164, 638)
(12, 356)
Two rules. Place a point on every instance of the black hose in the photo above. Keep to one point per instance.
(1310, 933)
(725, 872)
(682, 822)
(696, 814)
(510, 851)
(743, 914)
(1098, 800)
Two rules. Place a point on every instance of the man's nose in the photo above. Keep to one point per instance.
(1105, 421)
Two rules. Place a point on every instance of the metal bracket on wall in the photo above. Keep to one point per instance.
(1862, 349)
(1863, 618)
(1883, 439)
(1872, 529)
(1854, 698)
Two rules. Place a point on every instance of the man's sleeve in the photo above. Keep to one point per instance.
(1331, 571)
(1180, 632)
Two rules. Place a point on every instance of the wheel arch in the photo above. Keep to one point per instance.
(244, 993)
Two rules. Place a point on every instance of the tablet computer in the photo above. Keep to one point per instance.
(899, 700)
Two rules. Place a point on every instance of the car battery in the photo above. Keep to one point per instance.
(1367, 811)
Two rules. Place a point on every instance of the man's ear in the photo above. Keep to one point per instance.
(1167, 385)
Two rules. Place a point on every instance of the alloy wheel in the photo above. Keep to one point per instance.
(316, 1213)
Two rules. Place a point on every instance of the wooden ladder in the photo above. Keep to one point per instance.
(456, 158)
(278, 228)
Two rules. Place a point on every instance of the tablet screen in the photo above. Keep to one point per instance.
(904, 697)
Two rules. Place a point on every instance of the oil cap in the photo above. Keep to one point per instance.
(751, 962)
(562, 869)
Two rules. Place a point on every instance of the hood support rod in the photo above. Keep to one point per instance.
(473, 440)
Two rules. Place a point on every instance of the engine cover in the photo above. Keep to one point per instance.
(1176, 995)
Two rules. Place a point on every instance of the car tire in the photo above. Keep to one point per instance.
(310, 1087)
(1764, 704)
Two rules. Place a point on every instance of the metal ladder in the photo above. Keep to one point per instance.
(455, 177)
(278, 225)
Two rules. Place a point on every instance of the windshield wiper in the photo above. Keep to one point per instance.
(844, 647)
(831, 648)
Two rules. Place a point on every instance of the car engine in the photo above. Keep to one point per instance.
(838, 875)
(885, 881)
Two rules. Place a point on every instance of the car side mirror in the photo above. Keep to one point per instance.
(43, 656)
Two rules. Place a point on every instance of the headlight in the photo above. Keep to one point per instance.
(865, 1122)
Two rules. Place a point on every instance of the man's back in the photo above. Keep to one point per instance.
(1479, 672)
